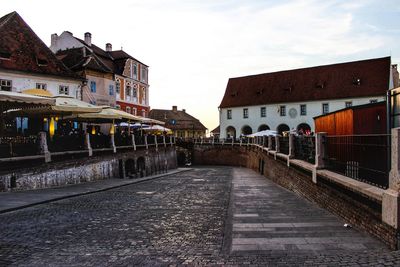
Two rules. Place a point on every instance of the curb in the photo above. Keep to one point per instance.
(135, 181)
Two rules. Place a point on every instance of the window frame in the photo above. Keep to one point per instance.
(263, 112)
(93, 87)
(303, 109)
(245, 113)
(111, 89)
(229, 114)
(42, 86)
(63, 89)
(323, 108)
(282, 111)
(3, 84)
(348, 104)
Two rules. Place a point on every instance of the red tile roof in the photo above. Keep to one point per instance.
(183, 121)
(344, 80)
(26, 52)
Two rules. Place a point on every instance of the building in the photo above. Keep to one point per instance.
(114, 77)
(131, 79)
(181, 123)
(27, 63)
(290, 99)
(215, 133)
(355, 120)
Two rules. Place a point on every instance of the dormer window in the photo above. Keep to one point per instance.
(41, 61)
(357, 81)
(5, 55)
(320, 85)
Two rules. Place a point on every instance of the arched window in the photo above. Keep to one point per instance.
(230, 132)
(263, 127)
(282, 128)
(247, 130)
(304, 128)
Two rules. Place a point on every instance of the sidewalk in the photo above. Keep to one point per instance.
(10, 201)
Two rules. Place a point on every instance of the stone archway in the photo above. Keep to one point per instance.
(130, 170)
(282, 128)
(141, 166)
(304, 128)
(230, 132)
(246, 130)
(263, 127)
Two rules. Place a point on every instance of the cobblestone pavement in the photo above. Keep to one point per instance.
(190, 218)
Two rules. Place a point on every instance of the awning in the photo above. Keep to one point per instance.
(151, 121)
(64, 105)
(14, 100)
(37, 92)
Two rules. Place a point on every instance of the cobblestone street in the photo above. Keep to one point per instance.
(206, 216)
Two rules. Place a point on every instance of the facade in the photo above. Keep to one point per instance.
(114, 77)
(26, 62)
(181, 123)
(290, 99)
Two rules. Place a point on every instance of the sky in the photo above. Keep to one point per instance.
(194, 47)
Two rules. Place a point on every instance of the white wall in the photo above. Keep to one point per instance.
(22, 82)
(64, 41)
(273, 118)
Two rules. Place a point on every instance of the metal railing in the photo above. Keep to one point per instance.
(123, 140)
(361, 157)
(66, 143)
(284, 145)
(100, 141)
(304, 148)
(18, 146)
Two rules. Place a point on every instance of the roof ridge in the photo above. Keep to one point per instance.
(6, 18)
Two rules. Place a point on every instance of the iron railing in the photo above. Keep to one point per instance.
(66, 143)
(361, 157)
(284, 145)
(100, 141)
(18, 146)
(304, 148)
(123, 140)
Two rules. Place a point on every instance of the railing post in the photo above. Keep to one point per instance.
(223, 141)
(291, 145)
(145, 141)
(320, 154)
(233, 140)
(113, 143)
(391, 198)
(156, 141)
(43, 148)
(202, 140)
(87, 144)
(240, 141)
(133, 142)
(277, 145)
(269, 142)
(165, 144)
(170, 140)
(213, 140)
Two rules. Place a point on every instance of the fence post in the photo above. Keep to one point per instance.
(43, 148)
(291, 145)
(165, 144)
(156, 141)
(277, 145)
(87, 144)
(113, 143)
(133, 142)
(269, 142)
(320, 154)
(391, 198)
(145, 141)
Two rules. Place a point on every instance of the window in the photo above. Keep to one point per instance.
(63, 90)
(373, 101)
(134, 93)
(5, 85)
(117, 86)
(143, 74)
(325, 108)
(134, 111)
(93, 86)
(111, 89)
(41, 86)
(128, 93)
(134, 71)
(143, 113)
(118, 107)
(128, 109)
(348, 104)
(282, 110)
(303, 110)
(263, 112)
(245, 113)
(229, 114)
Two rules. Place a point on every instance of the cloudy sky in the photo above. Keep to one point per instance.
(193, 47)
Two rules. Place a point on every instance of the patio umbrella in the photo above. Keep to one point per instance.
(37, 92)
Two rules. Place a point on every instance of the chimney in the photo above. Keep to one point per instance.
(88, 38)
(174, 108)
(184, 110)
(108, 47)
(54, 38)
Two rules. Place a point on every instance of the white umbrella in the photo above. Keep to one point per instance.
(262, 133)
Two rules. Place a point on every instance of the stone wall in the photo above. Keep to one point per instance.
(355, 209)
(73, 171)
